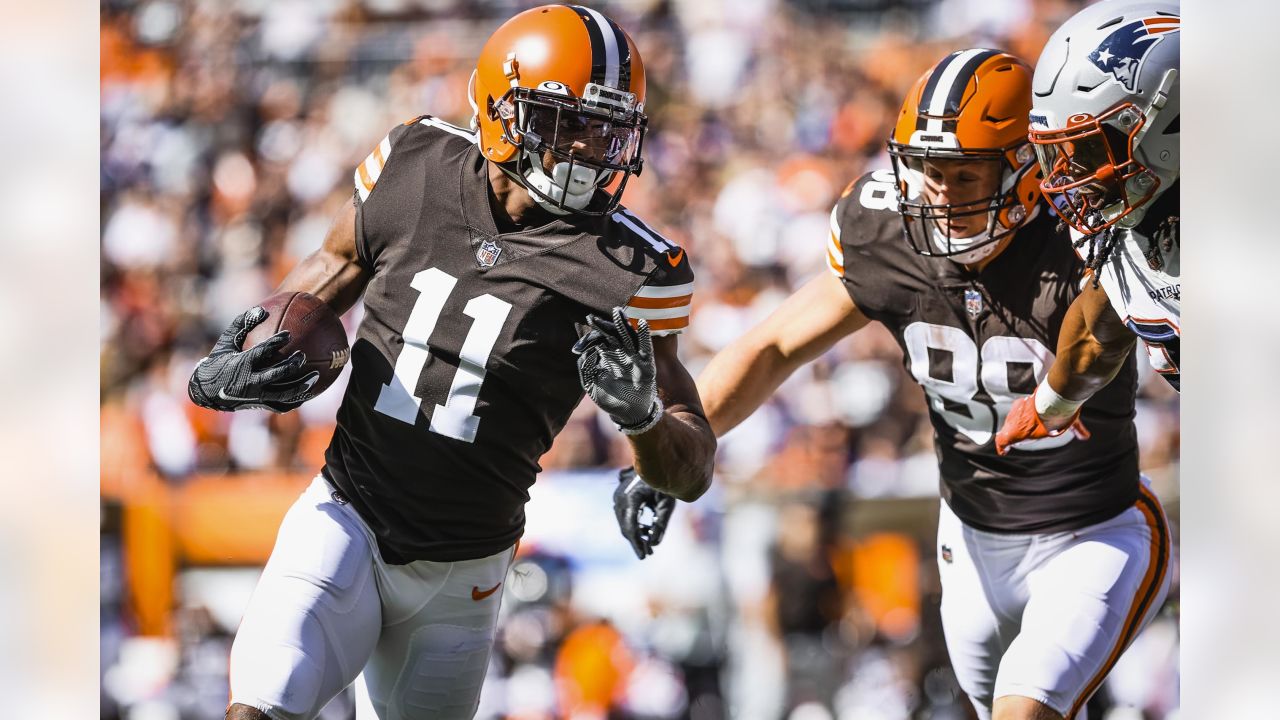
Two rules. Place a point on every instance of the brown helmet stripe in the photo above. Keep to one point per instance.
(945, 89)
(610, 54)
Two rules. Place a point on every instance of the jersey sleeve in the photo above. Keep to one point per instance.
(835, 251)
(846, 213)
(665, 298)
(367, 173)
(365, 178)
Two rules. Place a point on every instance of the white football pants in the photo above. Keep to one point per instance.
(327, 608)
(1046, 616)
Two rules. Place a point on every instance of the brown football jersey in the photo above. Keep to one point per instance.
(462, 372)
(975, 342)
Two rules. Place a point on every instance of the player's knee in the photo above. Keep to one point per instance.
(240, 711)
(1016, 707)
(279, 676)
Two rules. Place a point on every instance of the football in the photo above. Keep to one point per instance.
(314, 328)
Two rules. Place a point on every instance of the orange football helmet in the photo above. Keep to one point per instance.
(972, 105)
(559, 91)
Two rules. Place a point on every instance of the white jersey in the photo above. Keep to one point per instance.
(1148, 300)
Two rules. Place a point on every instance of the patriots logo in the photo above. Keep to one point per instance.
(1121, 53)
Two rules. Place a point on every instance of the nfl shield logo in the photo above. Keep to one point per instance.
(488, 253)
(973, 302)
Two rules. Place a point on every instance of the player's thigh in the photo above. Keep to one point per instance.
(439, 621)
(1088, 601)
(314, 617)
(980, 605)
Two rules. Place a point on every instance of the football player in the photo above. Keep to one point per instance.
(1105, 128)
(1054, 557)
(477, 253)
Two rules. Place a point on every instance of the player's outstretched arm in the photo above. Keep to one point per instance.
(743, 375)
(333, 273)
(1092, 347)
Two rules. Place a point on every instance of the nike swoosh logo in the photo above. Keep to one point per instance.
(477, 594)
(675, 259)
(222, 395)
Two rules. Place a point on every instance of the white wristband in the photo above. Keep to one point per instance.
(1051, 405)
(647, 424)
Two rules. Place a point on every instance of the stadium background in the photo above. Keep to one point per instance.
(804, 579)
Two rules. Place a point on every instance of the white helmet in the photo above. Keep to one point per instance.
(1104, 116)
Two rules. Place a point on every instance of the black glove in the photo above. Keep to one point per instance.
(617, 370)
(631, 496)
(234, 379)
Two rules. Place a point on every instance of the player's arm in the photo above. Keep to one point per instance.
(334, 273)
(1093, 345)
(676, 455)
(638, 380)
(746, 373)
(233, 378)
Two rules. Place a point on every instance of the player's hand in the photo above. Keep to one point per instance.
(233, 379)
(617, 370)
(1024, 423)
(632, 496)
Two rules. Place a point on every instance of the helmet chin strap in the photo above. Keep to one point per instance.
(968, 257)
(571, 189)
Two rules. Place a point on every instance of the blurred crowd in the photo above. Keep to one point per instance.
(229, 133)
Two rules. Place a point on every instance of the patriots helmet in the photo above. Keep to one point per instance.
(1104, 116)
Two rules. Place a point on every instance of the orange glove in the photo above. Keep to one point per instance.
(1024, 423)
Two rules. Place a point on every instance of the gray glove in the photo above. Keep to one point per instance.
(631, 497)
(616, 369)
(234, 379)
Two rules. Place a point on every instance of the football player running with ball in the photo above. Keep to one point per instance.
(1105, 128)
(1053, 558)
(478, 253)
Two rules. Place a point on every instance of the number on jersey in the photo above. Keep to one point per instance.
(959, 370)
(456, 417)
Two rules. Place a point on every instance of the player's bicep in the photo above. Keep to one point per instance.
(675, 385)
(813, 319)
(334, 273)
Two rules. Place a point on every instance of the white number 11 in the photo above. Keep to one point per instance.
(399, 399)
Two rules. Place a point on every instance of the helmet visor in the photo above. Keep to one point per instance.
(1090, 176)
(588, 136)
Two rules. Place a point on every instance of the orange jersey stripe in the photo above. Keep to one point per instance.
(1157, 566)
(365, 179)
(834, 264)
(377, 155)
(668, 324)
(658, 303)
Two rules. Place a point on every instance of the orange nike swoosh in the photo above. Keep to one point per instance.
(675, 259)
(477, 594)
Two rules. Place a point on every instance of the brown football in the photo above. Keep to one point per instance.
(314, 328)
